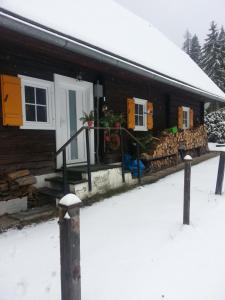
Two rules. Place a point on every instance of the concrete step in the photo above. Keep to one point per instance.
(37, 213)
(51, 193)
(59, 180)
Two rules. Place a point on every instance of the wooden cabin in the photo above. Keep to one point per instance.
(53, 69)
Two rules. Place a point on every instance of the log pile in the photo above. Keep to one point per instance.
(167, 146)
(193, 138)
(16, 184)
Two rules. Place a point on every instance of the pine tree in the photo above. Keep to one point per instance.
(211, 60)
(221, 41)
(195, 49)
(187, 42)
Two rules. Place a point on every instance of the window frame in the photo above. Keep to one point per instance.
(187, 110)
(144, 103)
(49, 87)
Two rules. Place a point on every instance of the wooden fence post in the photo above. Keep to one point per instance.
(220, 174)
(69, 224)
(187, 185)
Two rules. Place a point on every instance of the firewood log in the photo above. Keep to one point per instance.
(17, 174)
(26, 180)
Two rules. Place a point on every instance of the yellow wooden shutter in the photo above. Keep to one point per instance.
(11, 100)
(130, 113)
(191, 117)
(180, 117)
(150, 115)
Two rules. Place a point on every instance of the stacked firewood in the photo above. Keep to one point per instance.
(193, 138)
(16, 184)
(165, 150)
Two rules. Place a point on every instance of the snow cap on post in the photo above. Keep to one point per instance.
(69, 201)
(188, 157)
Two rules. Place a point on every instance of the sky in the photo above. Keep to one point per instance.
(174, 17)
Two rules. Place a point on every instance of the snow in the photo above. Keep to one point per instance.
(133, 246)
(216, 147)
(215, 126)
(117, 30)
(69, 200)
(188, 157)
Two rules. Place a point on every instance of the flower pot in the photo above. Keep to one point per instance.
(117, 125)
(107, 138)
(90, 123)
(111, 157)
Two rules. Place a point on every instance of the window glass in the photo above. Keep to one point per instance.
(36, 104)
(139, 114)
(30, 112)
(185, 118)
(41, 113)
(29, 94)
(40, 96)
(73, 123)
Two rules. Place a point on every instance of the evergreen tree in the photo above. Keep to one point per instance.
(221, 40)
(195, 49)
(187, 42)
(210, 61)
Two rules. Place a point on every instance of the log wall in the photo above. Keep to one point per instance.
(34, 149)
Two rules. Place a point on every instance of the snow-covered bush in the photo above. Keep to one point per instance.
(215, 124)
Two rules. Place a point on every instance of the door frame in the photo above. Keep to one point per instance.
(64, 81)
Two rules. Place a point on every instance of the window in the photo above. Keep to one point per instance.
(186, 117)
(140, 114)
(38, 104)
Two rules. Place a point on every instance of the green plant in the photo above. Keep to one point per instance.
(147, 141)
(109, 119)
(87, 117)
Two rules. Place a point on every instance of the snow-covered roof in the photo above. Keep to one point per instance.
(109, 26)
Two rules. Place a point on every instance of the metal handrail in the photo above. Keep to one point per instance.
(98, 128)
(69, 140)
(62, 150)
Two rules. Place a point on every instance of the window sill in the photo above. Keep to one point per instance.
(38, 126)
(140, 129)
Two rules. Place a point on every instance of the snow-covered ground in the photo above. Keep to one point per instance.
(133, 246)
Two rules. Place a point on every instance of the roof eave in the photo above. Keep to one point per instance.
(29, 28)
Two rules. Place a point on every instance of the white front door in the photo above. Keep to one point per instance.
(73, 97)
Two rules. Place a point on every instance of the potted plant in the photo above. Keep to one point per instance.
(118, 120)
(88, 118)
(111, 136)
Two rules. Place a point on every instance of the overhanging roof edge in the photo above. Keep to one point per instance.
(19, 24)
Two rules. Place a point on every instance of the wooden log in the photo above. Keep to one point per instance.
(26, 180)
(17, 174)
(69, 222)
(4, 186)
(187, 185)
(220, 174)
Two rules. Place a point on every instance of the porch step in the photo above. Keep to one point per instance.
(51, 193)
(59, 180)
(94, 168)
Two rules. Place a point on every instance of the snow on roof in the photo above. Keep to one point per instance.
(106, 24)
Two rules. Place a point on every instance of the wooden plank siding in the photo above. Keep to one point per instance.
(34, 149)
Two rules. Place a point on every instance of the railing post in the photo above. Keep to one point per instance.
(88, 160)
(187, 185)
(69, 224)
(122, 155)
(138, 163)
(65, 180)
(220, 174)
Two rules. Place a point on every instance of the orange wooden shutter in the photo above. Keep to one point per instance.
(191, 117)
(180, 117)
(150, 115)
(11, 100)
(130, 113)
